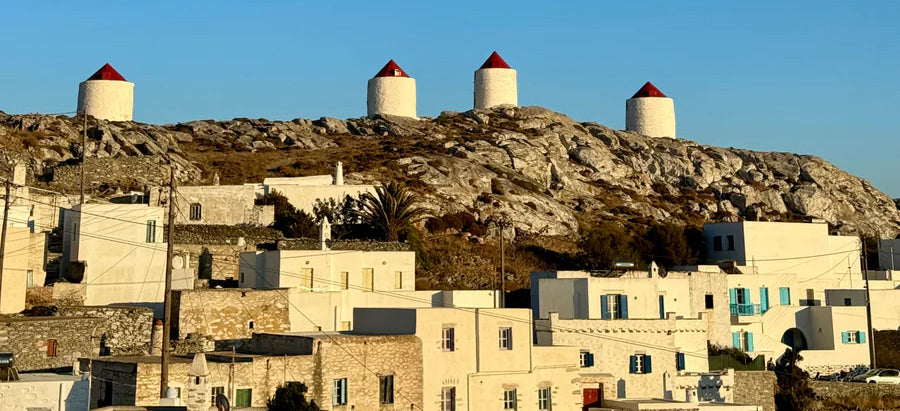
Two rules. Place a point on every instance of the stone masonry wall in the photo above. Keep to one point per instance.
(756, 388)
(833, 389)
(226, 314)
(98, 172)
(126, 330)
(28, 339)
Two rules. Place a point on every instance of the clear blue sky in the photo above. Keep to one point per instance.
(814, 77)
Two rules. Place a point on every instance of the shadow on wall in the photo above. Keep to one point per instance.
(708, 388)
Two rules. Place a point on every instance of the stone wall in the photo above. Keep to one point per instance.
(30, 338)
(354, 245)
(229, 314)
(126, 330)
(99, 173)
(756, 388)
(224, 259)
(833, 389)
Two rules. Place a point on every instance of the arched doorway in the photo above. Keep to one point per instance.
(795, 339)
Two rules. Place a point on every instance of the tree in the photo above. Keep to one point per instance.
(792, 392)
(290, 221)
(291, 396)
(341, 214)
(390, 211)
(607, 244)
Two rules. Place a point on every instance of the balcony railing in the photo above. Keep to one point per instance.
(748, 309)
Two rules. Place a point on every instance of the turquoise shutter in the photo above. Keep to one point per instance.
(623, 305)
(732, 295)
(662, 307)
(861, 337)
(648, 366)
(746, 292)
(736, 340)
(632, 364)
(749, 341)
(845, 337)
(763, 299)
(785, 296)
(604, 307)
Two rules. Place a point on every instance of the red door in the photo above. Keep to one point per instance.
(591, 398)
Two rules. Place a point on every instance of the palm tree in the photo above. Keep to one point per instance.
(390, 210)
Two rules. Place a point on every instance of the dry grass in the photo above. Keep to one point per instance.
(857, 401)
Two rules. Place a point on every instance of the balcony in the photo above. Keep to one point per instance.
(747, 309)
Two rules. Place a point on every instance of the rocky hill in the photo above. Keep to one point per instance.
(546, 173)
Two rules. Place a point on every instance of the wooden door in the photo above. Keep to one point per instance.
(591, 398)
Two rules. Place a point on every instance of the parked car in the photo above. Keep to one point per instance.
(879, 376)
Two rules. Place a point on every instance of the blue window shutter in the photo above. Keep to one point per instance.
(747, 296)
(845, 337)
(648, 367)
(785, 294)
(763, 299)
(632, 364)
(590, 360)
(679, 361)
(604, 307)
(662, 307)
(623, 305)
(861, 337)
(736, 340)
(732, 295)
(749, 341)
(344, 391)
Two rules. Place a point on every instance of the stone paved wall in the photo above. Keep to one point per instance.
(126, 330)
(141, 172)
(756, 388)
(28, 339)
(226, 314)
(225, 258)
(355, 245)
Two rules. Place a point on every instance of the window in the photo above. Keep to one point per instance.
(784, 294)
(368, 279)
(742, 340)
(447, 339)
(345, 280)
(251, 325)
(640, 364)
(51, 348)
(613, 306)
(29, 279)
(306, 278)
(853, 337)
(510, 399)
(243, 397)
(345, 325)
(151, 231)
(709, 301)
(448, 399)
(730, 239)
(398, 279)
(679, 361)
(75, 232)
(848, 302)
(717, 243)
(216, 391)
(662, 307)
(505, 338)
(585, 359)
(196, 213)
(386, 389)
(544, 400)
(339, 392)
(242, 277)
(743, 296)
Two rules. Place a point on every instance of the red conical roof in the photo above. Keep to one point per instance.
(495, 61)
(648, 90)
(107, 73)
(391, 69)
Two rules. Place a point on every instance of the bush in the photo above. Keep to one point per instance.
(291, 396)
(291, 222)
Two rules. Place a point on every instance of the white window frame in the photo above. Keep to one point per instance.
(195, 212)
(612, 302)
(448, 399)
(582, 358)
(150, 236)
(340, 397)
(510, 399)
(639, 364)
(742, 340)
(545, 399)
(448, 337)
(506, 338)
(29, 279)
(345, 280)
(852, 337)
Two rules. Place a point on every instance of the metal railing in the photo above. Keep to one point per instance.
(748, 309)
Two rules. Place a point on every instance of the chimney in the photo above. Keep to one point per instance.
(339, 174)
(156, 338)
(324, 234)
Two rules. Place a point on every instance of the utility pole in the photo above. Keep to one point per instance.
(865, 272)
(502, 224)
(83, 155)
(167, 304)
(6, 202)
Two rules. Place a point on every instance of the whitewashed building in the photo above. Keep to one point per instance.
(650, 112)
(392, 91)
(495, 83)
(106, 95)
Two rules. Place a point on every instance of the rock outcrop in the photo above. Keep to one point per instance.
(545, 172)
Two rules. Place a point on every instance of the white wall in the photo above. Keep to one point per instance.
(495, 86)
(391, 95)
(24, 252)
(303, 197)
(45, 391)
(111, 100)
(651, 116)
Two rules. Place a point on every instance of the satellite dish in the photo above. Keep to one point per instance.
(222, 402)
